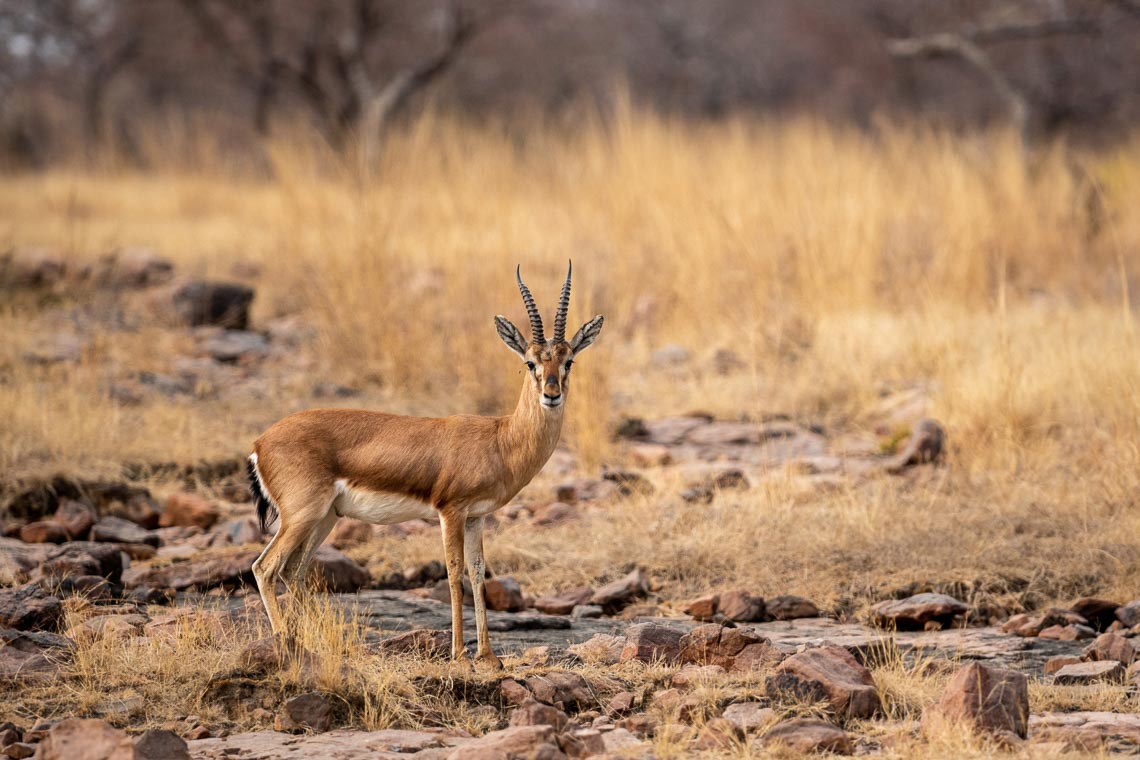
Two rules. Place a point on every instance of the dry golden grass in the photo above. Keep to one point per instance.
(838, 265)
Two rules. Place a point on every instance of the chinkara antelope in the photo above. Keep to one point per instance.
(317, 466)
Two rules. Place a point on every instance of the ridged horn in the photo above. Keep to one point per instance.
(536, 335)
(563, 307)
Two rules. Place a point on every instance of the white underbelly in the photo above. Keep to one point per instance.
(379, 507)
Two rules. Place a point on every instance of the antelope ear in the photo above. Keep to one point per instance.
(511, 336)
(587, 334)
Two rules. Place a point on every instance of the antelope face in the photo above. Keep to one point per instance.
(548, 362)
(549, 367)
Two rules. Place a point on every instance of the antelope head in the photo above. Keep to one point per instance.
(548, 361)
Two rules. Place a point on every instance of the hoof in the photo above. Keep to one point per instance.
(462, 663)
(488, 661)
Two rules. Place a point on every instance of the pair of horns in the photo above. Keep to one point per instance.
(536, 332)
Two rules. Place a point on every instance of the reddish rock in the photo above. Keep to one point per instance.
(1029, 625)
(425, 643)
(832, 673)
(43, 532)
(742, 607)
(85, 739)
(790, 608)
(1129, 614)
(305, 712)
(750, 716)
(116, 530)
(564, 602)
(554, 513)
(513, 692)
(601, 647)
(703, 608)
(32, 655)
(532, 713)
(613, 596)
(201, 302)
(914, 612)
(1107, 671)
(582, 742)
(1101, 613)
(348, 533)
(564, 690)
(734, 649)
(1111, 646)
(1053, 664)
(989, 699)
(719, 734)
(651, 642)
(503, 594)
(29, 607)
(807, 735)
(336, 572)
(207, 570)
(515, 743)
(78, 558)
(159, 744)
(1067, 632)
(620, 704)
(188, 510)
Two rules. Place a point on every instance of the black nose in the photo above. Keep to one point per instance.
(551, 389)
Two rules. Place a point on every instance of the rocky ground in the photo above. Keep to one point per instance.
(131, 628)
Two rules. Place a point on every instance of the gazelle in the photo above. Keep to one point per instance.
(317, 466)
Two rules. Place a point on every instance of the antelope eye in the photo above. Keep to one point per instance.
(530, 366)
(568, 363)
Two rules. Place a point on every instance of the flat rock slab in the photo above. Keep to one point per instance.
(388, 613)
(1027, 655)
(342, 744)
(1087, 730)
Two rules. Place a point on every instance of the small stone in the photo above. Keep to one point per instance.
(1106, 671)
(425, 643)
(807, 735)
(564, 690)
(503, 594)
(188, 510)
(538, 742)
(43, 532)
(651, 642)
(735, 649)
(116, 530)
(21, 750)
(587, 612)
(719, 734)
(614, 596)
(741, 607)
(338, 573)
(349, 533)
(1129, 614)
(159, 744)
(620, 704)
(750, 716)
(76, 517)
(1032, 625)
(702, 608)
(1111, 646)
(791, 608)
(201, 302)
(601, 647)
(199, 732)
(1101, 613)
(29, 607)
(1071, 632)
(564, 602)
(989, 699)
(84, 739)
(915, 611)
(306, 712)
(1053, 664)
(513, 692)
(532, 713)
(832, 673)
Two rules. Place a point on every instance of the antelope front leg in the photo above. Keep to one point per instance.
(452, 525)
(476, 566)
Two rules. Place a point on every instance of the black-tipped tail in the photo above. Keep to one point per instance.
(266, 512)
